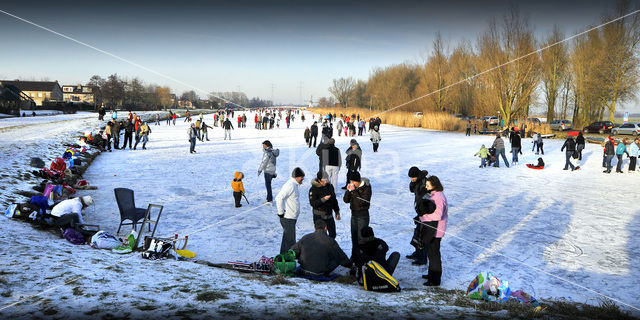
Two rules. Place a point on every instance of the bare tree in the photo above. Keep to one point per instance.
(342, 89)
(554, 68)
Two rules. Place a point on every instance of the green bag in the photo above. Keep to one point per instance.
(285, 264)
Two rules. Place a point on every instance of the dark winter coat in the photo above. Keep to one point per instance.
(609, 149)
(115, 129)
(359, 199)
(319, 254)
(334, 156)
(418, 188)
(373, 249)
(498, 143)
(322, 152)
(569, 144)
(227, 125)
(516, 141)
(580, 140)
(320, 207)
(128, 127)
(327, 131)
(354, 159)
(314, 130)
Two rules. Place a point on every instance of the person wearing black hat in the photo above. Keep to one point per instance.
(372, 248)
(358, 196)
(318, 253)
(417, 187)
(288, 205)
(322, 198)
(353, 160)
(314, 134)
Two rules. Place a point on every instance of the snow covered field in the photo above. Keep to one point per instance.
(523, 225)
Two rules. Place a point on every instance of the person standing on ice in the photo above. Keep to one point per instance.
(358, 196)
(334, 162)
(516, 146)
(580, 143)
(375, 138)
(498, 144)
(353, 160)
(268, 165)
(227, 126)
(314, 134)
(432, 243)
(417, 186)
(205, 133)
(322, 198)
(570, 146)
(193, 135)
(288, 205)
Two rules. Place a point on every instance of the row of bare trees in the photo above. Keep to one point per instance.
(507, 71)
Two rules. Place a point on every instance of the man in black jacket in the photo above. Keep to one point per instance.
(115, 133)
(322, 151)
(580, 145)
(570, 145)
(128, 133)
(227, 126)
(334, 162)
(358, 196)
(516, 146)
(314, 134)
(322, 198)
(318, 253)
(418, 187)
(353, 160)
(372, 248)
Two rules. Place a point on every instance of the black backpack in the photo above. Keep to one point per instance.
(376, 278)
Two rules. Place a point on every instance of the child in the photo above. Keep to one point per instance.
(238, 188)
(540, 164)
(483, 153)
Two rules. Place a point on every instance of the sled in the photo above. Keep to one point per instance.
(531, 166)
(264, 265)
(185, 253)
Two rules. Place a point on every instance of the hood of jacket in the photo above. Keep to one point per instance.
(364, 182)
(274, 152)
(238, 175)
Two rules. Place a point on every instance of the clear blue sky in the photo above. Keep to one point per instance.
(231, 45)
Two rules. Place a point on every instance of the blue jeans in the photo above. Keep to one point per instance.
(192, 148)
(514, 152)
(357, 223)
(483, 162)
(568, 163)
(267, 183)
(500, 152)
(607, 161)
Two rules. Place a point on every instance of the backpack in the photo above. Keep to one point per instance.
(73, 236)
(285, 264)
(156, 248)
(376, 278)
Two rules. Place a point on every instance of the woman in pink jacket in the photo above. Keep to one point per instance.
(432, 243)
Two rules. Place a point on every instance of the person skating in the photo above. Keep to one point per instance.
(238, 188)
(375, 138)
(318, 253)
(322, 198)
(498, 144)
(570, 146)
(193, 135)
(375, 249)
(268, 165)
(323, 153)
(432, 243)
(483, 153)
(540, 144)
(128, 134)
(314, 134)
(143, 135)
(227, 126)
(205, 131)
(288, 206)
(358, 196)
(353, 160)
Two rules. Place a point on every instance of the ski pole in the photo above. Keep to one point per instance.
(245, 198)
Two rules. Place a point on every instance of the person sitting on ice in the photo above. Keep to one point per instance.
(540, 164)
(319, 254)
(68, 213)
(372, 248)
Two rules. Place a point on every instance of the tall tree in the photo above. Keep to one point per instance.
(163, 95)
(113, 91)
(554, 68)
(342, 89)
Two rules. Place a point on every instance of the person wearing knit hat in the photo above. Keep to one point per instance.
(288, 206)
(334, 162)
(358, 196)
(353, 161)
(372, 248)
(68, 212)
(417, 187)
(322, 198)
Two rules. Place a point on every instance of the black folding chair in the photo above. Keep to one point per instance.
(128, 210)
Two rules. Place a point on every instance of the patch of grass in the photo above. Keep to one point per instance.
(105, 294)
(209, 296)
(49, 311)
(3, 272)
(281, 280)
(167, 288)
(6, 294)
(77, 291)
(147, 307)
(257, 296)
(4, 281)
(188, 313)
(606, 309)
(91, 312)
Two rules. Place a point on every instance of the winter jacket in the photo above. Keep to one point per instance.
(128, 127)
(498, 143)
(227, 125)
(418, 188)
(115, 129)
(569, 144)
(359, 198)
(268, 164)
(205, 126)
(440, 214)
(339, 126)
(322, 151)
(516, 141)
(191, 132)
(354, 158)
(236, 184)
(107, 130)
(483, 153)
(580, 140)
(621, 149)
(307, 134)
(314, 130)
(320, 206)
(374, 249)
(68, 206)
(539, 138)
(634, 149)
(375, 136)
(145, 130)
(319, 254)
(288, 200)
(335, 158)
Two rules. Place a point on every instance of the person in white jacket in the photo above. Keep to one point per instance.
(69, 212)
(288, 205)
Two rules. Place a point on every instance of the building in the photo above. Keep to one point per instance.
(77, 93)
(39, 91)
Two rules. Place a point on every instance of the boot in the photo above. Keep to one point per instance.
(433, 279)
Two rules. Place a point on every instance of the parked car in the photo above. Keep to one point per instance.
(418, 114)
(632, 128)
(492, 120)
(599, 127)
(561, 125)
(535, 120)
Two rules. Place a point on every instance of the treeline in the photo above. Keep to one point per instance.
(134, 94)
(508, 70)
